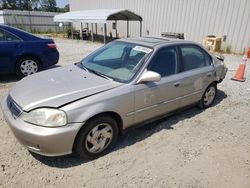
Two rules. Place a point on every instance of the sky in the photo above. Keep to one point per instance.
(62, 3)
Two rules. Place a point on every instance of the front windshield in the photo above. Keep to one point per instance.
(117, 60)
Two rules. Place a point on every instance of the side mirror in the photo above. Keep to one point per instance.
(149, 76)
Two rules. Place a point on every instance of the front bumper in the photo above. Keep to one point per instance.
(42, 140)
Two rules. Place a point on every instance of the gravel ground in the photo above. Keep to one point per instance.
(193, 148)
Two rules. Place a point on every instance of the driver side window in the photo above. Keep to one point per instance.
(165, 62)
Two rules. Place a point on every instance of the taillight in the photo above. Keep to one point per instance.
(51, 45)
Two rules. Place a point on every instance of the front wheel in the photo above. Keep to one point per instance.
(209, 96)
(97, 137)
(27, 66)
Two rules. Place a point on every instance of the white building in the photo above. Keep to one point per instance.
(229, 19)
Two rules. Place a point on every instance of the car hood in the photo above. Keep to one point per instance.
(59, 86)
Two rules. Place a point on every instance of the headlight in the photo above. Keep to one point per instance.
(47, 117)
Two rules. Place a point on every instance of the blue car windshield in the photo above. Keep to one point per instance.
(117, 60)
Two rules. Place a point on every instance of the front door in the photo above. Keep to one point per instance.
(153, 99)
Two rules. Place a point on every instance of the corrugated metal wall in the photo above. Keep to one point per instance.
(30, 20)
(1, 17)
(195, 18)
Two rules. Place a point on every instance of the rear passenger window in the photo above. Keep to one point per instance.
(10, 37)
(193, 57)
(165, 62)
(6, 36)
(2, 36)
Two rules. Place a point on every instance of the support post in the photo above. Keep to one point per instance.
(105, 33)
(81, 32)
(56, 28)
(87, 26)
(127, 28)
(140, 28)
(116, 29)
(96, 29)
(72, 35)
(92, 32)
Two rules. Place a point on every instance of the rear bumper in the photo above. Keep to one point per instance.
(224, 72)
(51, 57)
(42, 140)
(221, 71)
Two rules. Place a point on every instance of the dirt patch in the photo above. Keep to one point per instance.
(193, 148)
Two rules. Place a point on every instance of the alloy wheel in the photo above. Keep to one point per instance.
(28, 67)
(209, 95)
(99, 138)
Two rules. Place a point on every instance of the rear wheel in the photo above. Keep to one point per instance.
(97, 137)
(27, 65)
(209, 96)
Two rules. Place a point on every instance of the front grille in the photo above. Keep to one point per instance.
(13, 107)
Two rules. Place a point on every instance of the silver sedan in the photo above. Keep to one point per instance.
(83, 107)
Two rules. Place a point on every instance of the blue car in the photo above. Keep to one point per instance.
(23, 53)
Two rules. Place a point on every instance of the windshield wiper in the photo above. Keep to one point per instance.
(95, 72)
(99, 74)
(83, 67)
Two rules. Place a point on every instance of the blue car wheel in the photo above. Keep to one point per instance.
(27, 65)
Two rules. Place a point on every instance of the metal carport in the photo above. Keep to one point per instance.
(100, 16)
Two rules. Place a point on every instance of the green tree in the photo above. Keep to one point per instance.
(37, 5)
(66, 8)
(24, 5)
(9, 4)
(19, 4)
(48, 5)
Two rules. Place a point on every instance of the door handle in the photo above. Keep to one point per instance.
(177, 84)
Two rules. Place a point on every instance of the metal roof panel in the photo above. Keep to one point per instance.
(97, 16)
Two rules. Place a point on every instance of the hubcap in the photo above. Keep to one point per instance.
(28, 67)
(99, 138)
(209, 96)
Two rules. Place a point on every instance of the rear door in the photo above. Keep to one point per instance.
(198, 72)
(10, 45)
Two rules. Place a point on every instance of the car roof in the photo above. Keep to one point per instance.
(154, 42)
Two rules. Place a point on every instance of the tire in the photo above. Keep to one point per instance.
(209, 96)
(96, 138)
(27, 65)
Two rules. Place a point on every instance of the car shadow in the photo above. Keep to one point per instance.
(131, 136)
(52, 67)
(4, 79)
